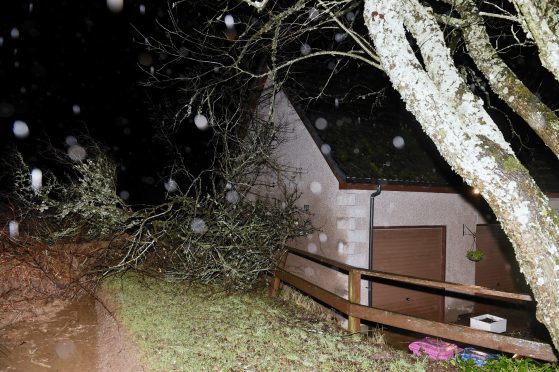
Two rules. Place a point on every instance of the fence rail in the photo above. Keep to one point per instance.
(356, 312)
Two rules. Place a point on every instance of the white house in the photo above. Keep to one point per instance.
(419, 229)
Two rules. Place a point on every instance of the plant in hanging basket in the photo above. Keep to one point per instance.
(475, 255)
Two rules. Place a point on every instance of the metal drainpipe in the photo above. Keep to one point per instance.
(371, 231)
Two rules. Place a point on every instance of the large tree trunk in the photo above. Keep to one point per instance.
(470, 141)
(503, 80)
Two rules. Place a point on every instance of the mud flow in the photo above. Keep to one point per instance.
(64, 341)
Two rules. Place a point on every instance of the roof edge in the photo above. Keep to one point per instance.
(346, 182)
(344, 185)
(349, 183)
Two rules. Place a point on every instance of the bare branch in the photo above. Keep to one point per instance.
(500, 16)
(259, 5)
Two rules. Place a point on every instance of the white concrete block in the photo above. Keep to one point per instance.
(358, 236)
(362, 224)
(346, 223)
(355, 212)
(358, 260)
(354, 248)
(345, 199)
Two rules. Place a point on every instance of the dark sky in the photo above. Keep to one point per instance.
(69, 68)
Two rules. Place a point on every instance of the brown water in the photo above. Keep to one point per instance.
(65, 341)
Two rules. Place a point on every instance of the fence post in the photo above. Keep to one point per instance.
(275, 284)
(354, 297)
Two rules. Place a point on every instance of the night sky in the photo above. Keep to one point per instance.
(75, 68)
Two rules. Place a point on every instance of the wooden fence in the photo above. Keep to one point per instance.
(356, 312)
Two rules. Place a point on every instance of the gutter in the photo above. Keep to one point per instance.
(394, 181)
(371, 232)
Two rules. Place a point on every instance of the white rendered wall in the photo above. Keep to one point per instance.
(554, 204)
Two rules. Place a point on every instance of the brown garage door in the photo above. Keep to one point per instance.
(498, 269)
(419, 252)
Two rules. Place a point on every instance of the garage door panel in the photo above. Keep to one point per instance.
(415, 252)
(407, 301)
(498, 269)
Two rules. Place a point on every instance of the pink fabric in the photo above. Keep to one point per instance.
(434, 348)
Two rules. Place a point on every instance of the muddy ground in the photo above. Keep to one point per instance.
(49, 319)
(83, 336)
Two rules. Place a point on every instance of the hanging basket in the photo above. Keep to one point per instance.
(475, 255)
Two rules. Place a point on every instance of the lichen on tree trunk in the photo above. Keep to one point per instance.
(503, 80)
(470, 141)
(539, 19)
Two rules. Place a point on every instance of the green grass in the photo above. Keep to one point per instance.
(503, 364)
(193, 328)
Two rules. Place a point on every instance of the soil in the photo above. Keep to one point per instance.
(62, 342)
(116, 352)
(49, 320)
(37, 280)
(83, 336)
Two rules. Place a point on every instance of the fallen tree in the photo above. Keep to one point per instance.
(208, 230)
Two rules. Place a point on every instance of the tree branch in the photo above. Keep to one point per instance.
(537, 21)
(503, 80)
